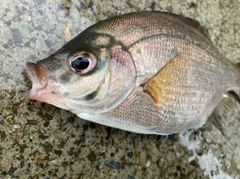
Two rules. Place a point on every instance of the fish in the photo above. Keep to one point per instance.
(144, 72)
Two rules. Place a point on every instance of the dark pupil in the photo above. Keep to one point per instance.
(80, 63)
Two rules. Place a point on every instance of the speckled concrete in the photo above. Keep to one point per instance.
(41, 141)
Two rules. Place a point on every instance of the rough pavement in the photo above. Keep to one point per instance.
(41, 141)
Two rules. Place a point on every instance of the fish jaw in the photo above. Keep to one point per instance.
(40, 90)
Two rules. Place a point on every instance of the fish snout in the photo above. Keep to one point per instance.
(39, 77)
(41, 89)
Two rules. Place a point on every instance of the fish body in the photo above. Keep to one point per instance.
(144, 72)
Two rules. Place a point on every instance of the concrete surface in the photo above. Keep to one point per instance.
(41, 141)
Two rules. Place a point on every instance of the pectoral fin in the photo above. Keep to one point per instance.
(159, 86)
(154, 88)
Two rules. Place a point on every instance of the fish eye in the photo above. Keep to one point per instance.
(82, 62)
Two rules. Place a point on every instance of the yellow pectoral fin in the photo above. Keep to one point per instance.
(175, 72)
(154, 88)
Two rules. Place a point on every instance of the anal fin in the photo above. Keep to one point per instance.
(226, 103)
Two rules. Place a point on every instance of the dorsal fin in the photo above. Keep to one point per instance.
(192, 23)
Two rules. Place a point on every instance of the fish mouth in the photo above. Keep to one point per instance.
(40, 90)
(39, 77)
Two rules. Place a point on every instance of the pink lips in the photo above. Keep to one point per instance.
(39, 77)
(40, 90)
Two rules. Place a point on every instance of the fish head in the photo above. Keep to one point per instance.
(88, 74)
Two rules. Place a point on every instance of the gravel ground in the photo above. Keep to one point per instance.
(42, 141)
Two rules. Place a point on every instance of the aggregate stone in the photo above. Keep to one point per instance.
(17, 37)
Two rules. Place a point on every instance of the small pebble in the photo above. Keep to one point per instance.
(70, 119)
(39, 27)
(48, 43)
(45, 124)
(91, 8)
(113, 164)
(170, 137)
(34, 39)
(6, 46)
(58, 152)
(135, 141)
(129, 164)
(148, 164)
(8, 23)
(42, 136)
(65, 164)
(92, 156)
(32, 122)
(41, 165)
(193, 163)
(27, 173)
(108, 129)
(3, 135)
(12, 170)
(60, 7)
(178, 168)
(67, 32)
(70, 152)
(130, 154)
(17, 37)
(54, 161)
(39, 2)
(16, 126)
(83, 139)
(28, 18)
(153, 5)
(4, 173)
(82, 168)
(130, 177)
(47, 147)
(27, 44)
(22, 163)
(193, 5)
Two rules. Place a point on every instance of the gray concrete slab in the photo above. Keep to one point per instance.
(41, 141)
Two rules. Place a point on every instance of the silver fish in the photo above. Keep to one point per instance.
(144, 72)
